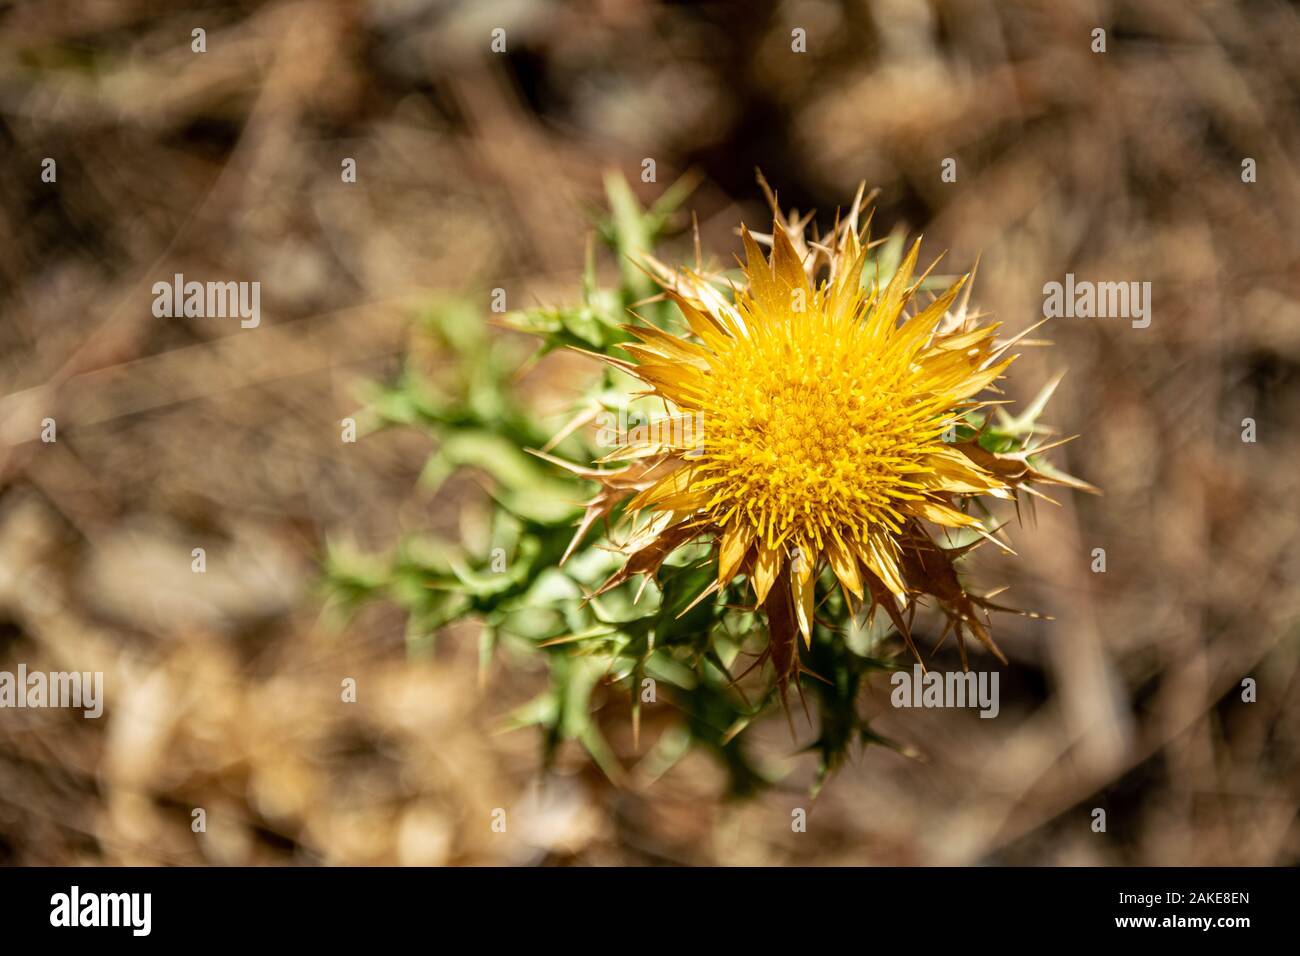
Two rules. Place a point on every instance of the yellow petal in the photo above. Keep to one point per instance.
(674, 483)
(707, 328)
(683, 385)
(766, 565)
(953, 471)
(757, 268)
(666, 345)
(941, 514)
(914, 333)
(735, 542)
(891, 302)
(845, 567)
(802, 586)
(878, 556)
(786, 265)
(962, 341)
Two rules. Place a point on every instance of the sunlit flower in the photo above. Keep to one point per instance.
(829, 403)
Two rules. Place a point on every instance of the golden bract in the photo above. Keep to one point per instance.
(825, 397)
(823, 419)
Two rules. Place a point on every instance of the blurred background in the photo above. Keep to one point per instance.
(478, 170)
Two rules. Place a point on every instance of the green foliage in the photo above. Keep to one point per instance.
(600, 652)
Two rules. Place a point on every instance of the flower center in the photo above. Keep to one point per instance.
(802, 434)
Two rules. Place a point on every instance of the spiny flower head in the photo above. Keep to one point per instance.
(823, 398)
(823, 418)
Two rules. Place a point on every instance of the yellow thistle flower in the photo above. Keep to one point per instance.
(824, 397)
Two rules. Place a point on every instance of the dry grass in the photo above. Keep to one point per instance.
(473, 172)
